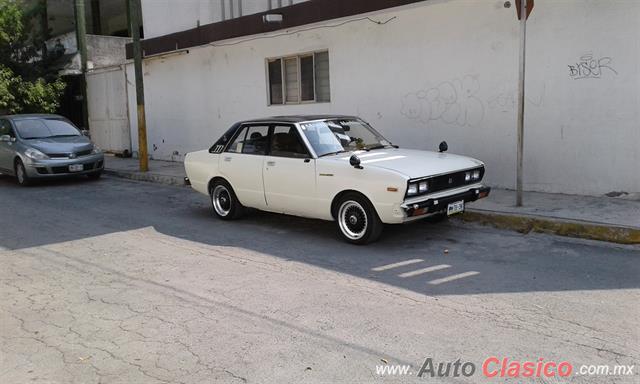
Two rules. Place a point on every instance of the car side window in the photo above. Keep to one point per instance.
(5, 128)
(238, 142)
(256, 141)
(285, 142)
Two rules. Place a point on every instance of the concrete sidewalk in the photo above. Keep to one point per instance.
(163, 172)
(614, 219)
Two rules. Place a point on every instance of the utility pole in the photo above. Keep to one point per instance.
(81, 40)
(136, 17)
(522, 14)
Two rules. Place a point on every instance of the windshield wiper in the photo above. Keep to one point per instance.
(380, 146)
(333, 153)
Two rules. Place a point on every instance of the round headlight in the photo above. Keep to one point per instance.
(412, 189)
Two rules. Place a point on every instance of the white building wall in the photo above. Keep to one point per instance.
(440, 70)
(584, 136)
(108, 112)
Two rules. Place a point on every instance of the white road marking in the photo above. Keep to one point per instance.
(424, 270)
(453, 277)
(396, 265)
(383, 159)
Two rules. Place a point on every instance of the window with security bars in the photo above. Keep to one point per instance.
(302, 78)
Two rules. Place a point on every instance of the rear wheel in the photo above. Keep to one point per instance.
(358, 221)
(21, 174)
(224, 201)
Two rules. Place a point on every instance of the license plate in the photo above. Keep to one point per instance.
(76, 167)
(455, 207)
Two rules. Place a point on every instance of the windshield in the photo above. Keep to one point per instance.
(44, 128)
(334, 136)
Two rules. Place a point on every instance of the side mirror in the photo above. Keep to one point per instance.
(354, 160)
(6, 139)
(443, 147)
(85, 132)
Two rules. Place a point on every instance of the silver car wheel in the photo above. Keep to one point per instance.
(221, 200)
(20, 173)
(352, 220)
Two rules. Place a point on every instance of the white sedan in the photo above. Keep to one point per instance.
(332, 168)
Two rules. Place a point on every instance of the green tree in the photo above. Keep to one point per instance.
(27, 85)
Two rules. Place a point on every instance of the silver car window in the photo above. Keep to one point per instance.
(5, 128)
(43, 128)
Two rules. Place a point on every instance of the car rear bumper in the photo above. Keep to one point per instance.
(60, 167)
(429, 206)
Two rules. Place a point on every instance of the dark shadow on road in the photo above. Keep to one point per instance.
(449, 258)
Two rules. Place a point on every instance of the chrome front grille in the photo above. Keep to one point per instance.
(447, 181)
(451, 180)
(72, 155)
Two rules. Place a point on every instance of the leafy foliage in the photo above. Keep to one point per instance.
(26, 83)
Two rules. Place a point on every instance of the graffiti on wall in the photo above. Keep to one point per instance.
(505, 98)
(452, 102)
(591, 67)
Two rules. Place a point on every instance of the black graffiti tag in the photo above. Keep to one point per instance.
(591, 68)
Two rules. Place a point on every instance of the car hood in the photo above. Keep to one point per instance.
(410, 162)
(67, 144)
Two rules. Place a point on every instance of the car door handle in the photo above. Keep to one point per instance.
(271, 163)
(228, 158)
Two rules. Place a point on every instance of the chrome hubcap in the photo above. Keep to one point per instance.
(352, 220)
(221, 200)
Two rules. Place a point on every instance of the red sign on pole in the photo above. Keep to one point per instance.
(519, 6)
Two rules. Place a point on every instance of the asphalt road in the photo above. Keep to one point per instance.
(118, 281)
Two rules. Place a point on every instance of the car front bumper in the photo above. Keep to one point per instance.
(432, 205)
(60, 167)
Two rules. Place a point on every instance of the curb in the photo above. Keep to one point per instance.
(147, 176)
(562, 227)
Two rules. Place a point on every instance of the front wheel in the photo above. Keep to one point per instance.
(21, 174)
(358, 221)
(224, 201)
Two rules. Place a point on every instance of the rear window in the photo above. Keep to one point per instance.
(43, 128)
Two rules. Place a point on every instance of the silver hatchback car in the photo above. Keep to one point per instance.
(46, 146)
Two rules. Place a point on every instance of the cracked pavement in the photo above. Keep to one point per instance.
(126, 282)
